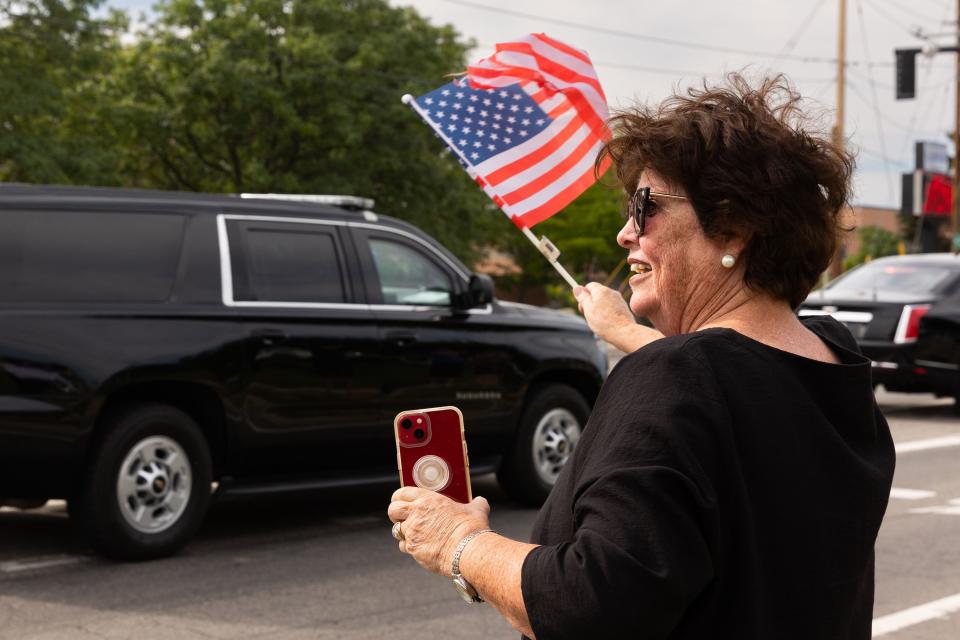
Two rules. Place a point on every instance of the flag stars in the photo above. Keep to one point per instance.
(477, 144)
(514, 108)
(481, 133)
(451, 127)
(454, 116)
(487, 102)
(473, 97)
(470, 109)
(507, 140)
(525, 122)
(460, 95)
(497, 116)
(442, 103)
(496, 126)
(468, 120)
(445, 92)
(540, 122)
(528, 109)
(494, 136)
(439, 114)
(511, 119)
(491, 147)
(463, 142)
(428, 100)
(484, 113)
(503, 94)
(516, 96)
(474, 155)
(500, 105)
(523, 133)
(457, 105)
(509, 129)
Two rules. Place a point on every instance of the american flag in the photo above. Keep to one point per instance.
(527, 123)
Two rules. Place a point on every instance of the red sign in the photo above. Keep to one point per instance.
(938, 199)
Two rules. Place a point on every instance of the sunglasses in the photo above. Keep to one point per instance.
(643, 205)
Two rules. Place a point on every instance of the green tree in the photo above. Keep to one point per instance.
(585, 232)
(53, 55)
(874, 243)
(295, 96)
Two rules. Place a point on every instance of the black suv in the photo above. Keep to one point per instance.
(157, 346)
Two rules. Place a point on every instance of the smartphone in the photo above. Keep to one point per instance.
(432, 451)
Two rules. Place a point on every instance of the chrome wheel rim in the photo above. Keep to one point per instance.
(554, 440)
(153, 485)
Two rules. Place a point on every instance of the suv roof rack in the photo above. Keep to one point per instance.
(348, 202)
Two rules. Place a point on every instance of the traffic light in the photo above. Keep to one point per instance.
(906, 73)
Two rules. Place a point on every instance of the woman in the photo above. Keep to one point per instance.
(735, 470)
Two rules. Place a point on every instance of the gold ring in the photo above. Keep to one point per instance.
(397, 532)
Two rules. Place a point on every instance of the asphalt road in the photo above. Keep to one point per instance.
(325, 566)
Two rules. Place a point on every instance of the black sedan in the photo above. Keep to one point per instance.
(887, 305)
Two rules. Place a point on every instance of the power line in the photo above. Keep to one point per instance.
(648, 38)
(668, 71)
(793, 40)
(893, 20)
(911, 12)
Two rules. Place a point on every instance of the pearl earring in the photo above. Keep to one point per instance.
(728, 261)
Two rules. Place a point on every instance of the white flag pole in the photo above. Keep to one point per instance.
(543, 245)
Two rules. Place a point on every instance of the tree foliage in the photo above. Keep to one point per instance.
(53, 55)
(585, 232)
(295, 96)
(288, 96)
(874, 243)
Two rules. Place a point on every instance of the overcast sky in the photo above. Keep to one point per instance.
(644, 49)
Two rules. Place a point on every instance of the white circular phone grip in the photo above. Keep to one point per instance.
(431, 472)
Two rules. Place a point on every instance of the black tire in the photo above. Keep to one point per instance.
(557, 409)
(174, 497)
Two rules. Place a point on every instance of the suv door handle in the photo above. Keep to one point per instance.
(270, 336)
(401, 338)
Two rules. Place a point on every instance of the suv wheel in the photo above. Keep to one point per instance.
(147, 486)
(549, 431)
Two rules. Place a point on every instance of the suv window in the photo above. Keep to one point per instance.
(281, 262)
(80, 256)
(407, 276)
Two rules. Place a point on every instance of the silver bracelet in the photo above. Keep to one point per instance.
(462, 546)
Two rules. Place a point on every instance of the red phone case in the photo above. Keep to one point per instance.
(437, 459)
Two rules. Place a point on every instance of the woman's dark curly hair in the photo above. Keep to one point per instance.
(753, 167)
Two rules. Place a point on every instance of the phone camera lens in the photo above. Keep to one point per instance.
(418, 434)
(405, 423)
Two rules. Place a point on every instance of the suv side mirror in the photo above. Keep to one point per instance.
(480, 290)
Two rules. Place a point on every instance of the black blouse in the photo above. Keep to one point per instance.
(721, 489)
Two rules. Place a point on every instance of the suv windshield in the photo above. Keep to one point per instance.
(884, 276)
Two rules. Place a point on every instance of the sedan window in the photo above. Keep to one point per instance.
(879, 276)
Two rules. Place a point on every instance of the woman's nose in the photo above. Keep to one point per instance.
(627, 236)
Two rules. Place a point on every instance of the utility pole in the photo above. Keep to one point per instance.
(956, 148)
(836, 265)
(841, 72)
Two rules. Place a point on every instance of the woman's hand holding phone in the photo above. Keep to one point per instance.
(433, 525)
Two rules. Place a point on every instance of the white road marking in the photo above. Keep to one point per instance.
(931, 443)
(911, 494)
(941, 608)
(952, 508)
(29, 564)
